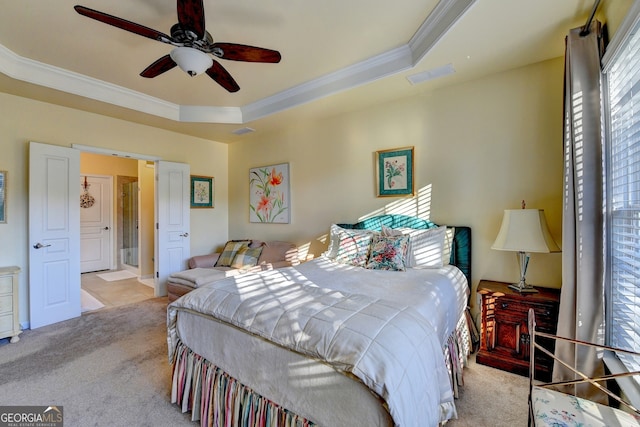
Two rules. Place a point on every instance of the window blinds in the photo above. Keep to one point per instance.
(623, 176)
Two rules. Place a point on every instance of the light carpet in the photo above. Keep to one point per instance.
(88, 302)
(109, 368)
(116, 275)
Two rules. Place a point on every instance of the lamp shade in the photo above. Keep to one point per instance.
(525, 230)
(190, 60)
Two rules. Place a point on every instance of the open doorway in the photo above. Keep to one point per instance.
(128, 276)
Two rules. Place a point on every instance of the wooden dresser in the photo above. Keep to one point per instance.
(505, 337)
(9, 321)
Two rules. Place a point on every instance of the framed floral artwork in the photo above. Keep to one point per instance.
(202, 191)
(394, 172)
(269, 194)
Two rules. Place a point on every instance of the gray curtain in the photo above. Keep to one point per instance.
(582, 297)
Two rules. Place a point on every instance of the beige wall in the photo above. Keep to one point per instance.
(480, 147)
(23, 120)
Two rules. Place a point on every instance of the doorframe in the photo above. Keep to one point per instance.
(125, 155)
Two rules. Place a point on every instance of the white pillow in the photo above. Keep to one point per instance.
(426, 247)
(448, 245)
(354, 243)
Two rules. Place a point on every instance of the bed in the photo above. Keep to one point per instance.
(329, 342)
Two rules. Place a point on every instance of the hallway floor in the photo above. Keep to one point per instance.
(119, 292)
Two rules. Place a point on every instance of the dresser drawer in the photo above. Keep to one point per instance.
(6, 285)
(6, 304)
(6, 324)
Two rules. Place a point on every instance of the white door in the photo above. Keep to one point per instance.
(54, 234)
(172, 221)
(95, 223)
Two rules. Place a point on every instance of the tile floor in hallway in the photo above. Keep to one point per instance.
(115, 293)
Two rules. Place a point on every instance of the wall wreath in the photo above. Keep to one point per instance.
(86, 199)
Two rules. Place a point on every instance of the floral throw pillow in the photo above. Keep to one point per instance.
(388, 253)
(426, 246)
(353, 247)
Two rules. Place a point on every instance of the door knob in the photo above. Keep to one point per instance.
(106, 228)
(184, 235)
(40, 245)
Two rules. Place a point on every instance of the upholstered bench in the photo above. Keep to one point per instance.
(552, 408)
(237, 257)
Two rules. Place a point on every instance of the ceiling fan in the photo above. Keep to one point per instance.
(193, 45)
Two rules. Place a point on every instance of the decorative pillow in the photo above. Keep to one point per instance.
(229, 252)
(353, 246)
(388, 253)
(426, 246)
(336, 235)
(246, 257)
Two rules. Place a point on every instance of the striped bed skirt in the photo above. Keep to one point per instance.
(219, 400)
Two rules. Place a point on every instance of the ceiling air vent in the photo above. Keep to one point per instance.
(243, 130)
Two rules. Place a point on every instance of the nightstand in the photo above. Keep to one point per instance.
(505, 337)
(9, 325)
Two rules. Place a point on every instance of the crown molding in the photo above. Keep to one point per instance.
(46, 75)
(439, 21)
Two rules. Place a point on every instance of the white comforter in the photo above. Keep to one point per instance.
(383, 327)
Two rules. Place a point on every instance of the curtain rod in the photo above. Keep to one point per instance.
(585, 29)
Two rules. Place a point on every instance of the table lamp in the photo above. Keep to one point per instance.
(523, 231)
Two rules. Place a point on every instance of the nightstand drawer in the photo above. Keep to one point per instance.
(546, 313)
(6, 304)
(6, 323)
(6, 285)
(9, 319)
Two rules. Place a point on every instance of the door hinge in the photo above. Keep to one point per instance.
(157, 275)
(157, 226)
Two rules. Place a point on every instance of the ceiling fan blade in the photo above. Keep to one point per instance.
(241, 52)
(191, 16)
(160, 66)
(122, 24)
(218, 73)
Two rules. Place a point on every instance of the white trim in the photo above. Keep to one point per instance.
(372, 69)
(628, 385)
(38, 73)
(440, 20)
(624, 31)
(201, 114)
(115, 153)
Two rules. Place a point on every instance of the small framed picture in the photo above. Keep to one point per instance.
(202, 191)
(394, 172)
(3, 197)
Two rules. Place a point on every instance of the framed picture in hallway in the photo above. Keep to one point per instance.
(394, 172)
(3, 197)
(202, 191)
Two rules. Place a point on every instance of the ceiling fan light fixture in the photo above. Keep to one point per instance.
(191, 61)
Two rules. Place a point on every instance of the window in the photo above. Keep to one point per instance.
(622, 115)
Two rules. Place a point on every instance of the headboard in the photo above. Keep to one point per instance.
(461, 247)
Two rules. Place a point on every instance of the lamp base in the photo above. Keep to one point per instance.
(527, 289)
